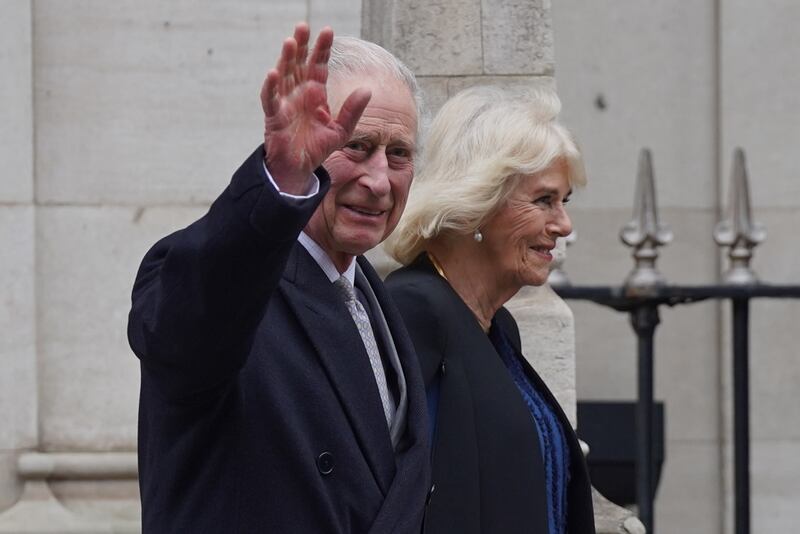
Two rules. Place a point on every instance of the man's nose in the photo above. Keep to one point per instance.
(376, 178)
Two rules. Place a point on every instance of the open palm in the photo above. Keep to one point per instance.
(299, 130)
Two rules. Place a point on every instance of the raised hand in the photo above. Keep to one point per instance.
(299, 130)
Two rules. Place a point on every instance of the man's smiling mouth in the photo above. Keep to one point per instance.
(365, 211)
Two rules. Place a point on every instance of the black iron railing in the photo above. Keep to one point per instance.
(646, 290)
(643, 309)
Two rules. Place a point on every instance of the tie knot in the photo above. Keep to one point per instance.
(346, 288)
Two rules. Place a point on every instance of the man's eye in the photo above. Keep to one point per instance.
(358, 146)
(399, 153)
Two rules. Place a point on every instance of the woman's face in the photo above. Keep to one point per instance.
(521, 236)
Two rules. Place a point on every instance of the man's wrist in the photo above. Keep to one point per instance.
(311, 189)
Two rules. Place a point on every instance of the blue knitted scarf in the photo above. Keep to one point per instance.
(552, 441)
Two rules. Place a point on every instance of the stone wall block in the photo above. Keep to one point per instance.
(17, 329)
(344, 16)
(512, 82)
(150, 103)
(517, 37)
(89, 378)
(16, 111)
(774, 369)
(435, 92)
(688, 498)
(640, 74)
(434, 37)
(774, 339)
(760, 105)
(18, 381)
(775, 470)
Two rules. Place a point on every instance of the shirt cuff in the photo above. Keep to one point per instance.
(313, 190)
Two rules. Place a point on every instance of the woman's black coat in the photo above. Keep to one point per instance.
(487, 465)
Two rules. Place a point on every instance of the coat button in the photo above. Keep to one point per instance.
(443, 367)
(430, 495)
(325, 463)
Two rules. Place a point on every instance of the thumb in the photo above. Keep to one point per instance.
(352, 108)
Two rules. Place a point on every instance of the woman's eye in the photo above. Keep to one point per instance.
(544, 201)
(566, 200)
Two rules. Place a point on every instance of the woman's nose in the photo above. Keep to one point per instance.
(561, 225)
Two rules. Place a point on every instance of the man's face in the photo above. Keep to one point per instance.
(371, 174)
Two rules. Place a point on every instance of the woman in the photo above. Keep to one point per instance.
(481, 222)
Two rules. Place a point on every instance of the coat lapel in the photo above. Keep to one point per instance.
(402, 509)
(416, 409)
(325, 319)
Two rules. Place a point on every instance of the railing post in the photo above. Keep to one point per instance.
(741, 414)
(644, 320)
(645, 234)
(741, 234)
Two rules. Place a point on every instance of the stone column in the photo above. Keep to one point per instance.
(454, 44)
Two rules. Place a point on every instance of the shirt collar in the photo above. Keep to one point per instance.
(324, 261)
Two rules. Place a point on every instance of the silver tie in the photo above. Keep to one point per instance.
(361, 319)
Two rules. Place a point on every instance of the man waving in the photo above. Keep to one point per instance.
(280, 391)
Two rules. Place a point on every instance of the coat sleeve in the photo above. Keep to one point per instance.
(201, 292)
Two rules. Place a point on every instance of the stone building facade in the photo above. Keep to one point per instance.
(121, 121)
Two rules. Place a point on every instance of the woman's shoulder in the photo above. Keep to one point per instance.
(416, 283)
(418, 295)
(417, 277)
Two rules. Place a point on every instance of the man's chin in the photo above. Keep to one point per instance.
(357, 246)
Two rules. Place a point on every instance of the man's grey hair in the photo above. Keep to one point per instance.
(353, 56)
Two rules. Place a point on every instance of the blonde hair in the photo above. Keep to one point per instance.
(479, 144)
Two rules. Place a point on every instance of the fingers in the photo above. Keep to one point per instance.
(318, 62)
(269, 93)
(322, 48)
(352, 108)
(287, 64)
(295, 68)
(291, 67)
(301, 36)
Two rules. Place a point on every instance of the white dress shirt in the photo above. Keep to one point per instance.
(319, 255)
